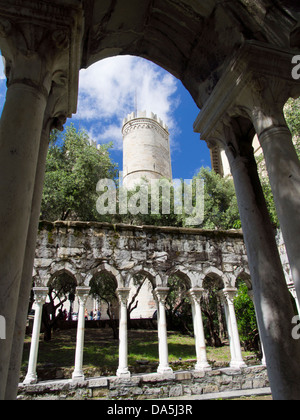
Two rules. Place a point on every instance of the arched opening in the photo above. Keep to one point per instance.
(58, 307)
(213, 314)
(103, 290)
(178, 306)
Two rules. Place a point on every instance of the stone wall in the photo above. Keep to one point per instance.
(85, 249)
(151, 386)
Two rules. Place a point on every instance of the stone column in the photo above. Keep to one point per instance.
(283, 167)
(36, 55)
(123, 372)
(230, 126)
(50, 122)
(160, 294)
(195, 297)
(83, 294)
(40, 296)
(263, 360)
(237, 359)
(272, 301)
(20, 132)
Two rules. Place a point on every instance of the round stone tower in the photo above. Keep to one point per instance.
(146, 149)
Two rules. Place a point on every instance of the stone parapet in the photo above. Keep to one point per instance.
(149, 386)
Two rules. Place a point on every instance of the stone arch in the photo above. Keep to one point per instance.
(217, 275)
(65, 267)
(191, 278)
(243, 274)
(150, 273)
(108, 269)
(189, 39)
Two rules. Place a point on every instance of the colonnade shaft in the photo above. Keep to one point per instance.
(271, 296)
(82, 293)
(40, 295)
(234, 339)
(123, 371)
(160, 294)
(39, 76)
(195, 297)
(265, 83)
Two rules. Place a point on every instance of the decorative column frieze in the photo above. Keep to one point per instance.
(40, 296)
(82, 294)
(123, 295)
(160, 295)
(237, 361)
(195, 295)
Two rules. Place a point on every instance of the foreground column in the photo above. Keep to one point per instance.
(123, 372)
(82, 294)
(283, 168)
(161, 294)
(230, 125)
(195, 296)
(237, 359)
(40, 296)
(272, 301)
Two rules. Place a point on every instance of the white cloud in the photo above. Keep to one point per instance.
(107, 92)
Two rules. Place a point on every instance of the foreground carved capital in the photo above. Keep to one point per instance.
(41, 44)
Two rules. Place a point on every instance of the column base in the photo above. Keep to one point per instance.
(200, 367)
(30, 379)
(238, 364)
(78, 377)
(164, 370)
(123, 373)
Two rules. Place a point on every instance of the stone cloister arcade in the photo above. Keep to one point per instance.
(236, 59)
(84, 250)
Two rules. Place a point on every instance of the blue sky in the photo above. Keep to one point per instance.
(108, 91)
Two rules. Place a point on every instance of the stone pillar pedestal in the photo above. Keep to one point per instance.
(160, 294)
(195, 297)
(235, 346)
(123, 372)
(40, 295)
(82, 293)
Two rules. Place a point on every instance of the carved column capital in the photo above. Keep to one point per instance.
(83, 294)
(230, 294)
(123, 295)
(40, 294)
(160, 294)
(195, 294)
(257, 81)
(41, 43)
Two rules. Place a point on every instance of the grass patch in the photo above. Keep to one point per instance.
(101, 353)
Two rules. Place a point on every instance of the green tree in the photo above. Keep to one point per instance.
(220, 203)
(103, 288)
(246, 318)
(74, 166)
(60, 288)
(292, 116)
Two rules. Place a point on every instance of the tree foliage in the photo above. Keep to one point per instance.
(246, 318)
(74, 166)
(103, 288)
